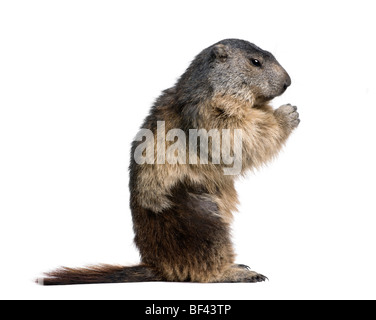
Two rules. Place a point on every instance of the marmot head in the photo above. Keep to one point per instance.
(238, 68)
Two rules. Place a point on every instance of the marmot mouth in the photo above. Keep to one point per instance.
(271, 97)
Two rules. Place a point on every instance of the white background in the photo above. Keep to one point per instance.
(78, 77)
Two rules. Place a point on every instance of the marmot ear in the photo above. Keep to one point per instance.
(219, 52)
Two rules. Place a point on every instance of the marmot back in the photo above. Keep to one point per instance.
(212, 126)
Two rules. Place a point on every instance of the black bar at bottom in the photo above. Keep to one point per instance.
(195, 309)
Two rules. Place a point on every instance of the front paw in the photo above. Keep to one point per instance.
(288, 116)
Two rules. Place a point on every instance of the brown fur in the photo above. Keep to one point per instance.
(182, 212)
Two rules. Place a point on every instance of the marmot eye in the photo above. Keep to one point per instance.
(256, 62)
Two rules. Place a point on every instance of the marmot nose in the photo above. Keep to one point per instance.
(287, 82)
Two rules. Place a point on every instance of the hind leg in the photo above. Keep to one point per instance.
(188, 242)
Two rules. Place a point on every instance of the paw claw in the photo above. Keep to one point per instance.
(243, 266)
(256, 277)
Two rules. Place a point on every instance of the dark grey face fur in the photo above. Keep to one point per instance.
(234, 67)
(241, 66)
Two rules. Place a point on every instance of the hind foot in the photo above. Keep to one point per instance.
(241, 273)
